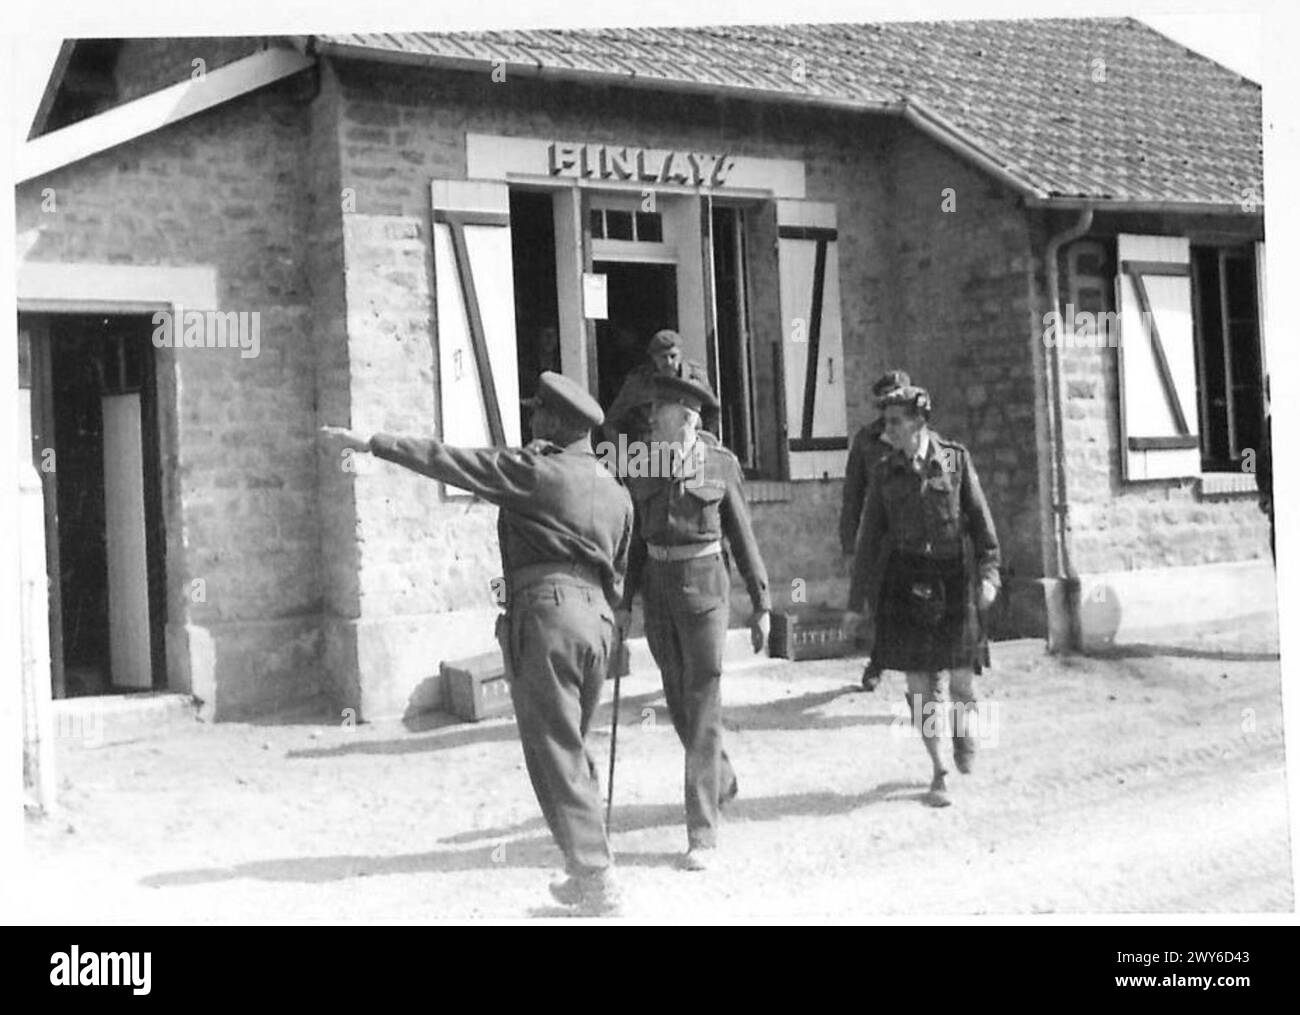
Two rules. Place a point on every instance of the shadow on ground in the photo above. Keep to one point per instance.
(446, 733)
(514, 848)
(449, 732)
(1145, 651)
(797, 713)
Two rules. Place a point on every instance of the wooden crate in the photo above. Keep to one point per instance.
(476, 688)
(808, 632)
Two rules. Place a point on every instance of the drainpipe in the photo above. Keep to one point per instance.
(1056, 431)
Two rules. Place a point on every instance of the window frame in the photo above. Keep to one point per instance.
(1224, 247)
(1231, 480)
(740, 208)
(662, 251)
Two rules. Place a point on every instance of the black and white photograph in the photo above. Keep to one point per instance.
(592, 466)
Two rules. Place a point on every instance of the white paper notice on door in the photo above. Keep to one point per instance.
(595, 296)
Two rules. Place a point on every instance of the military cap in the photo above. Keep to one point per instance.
(693, 394)
(663, 341)
(890, 380)
(909, 395)
(566, 397)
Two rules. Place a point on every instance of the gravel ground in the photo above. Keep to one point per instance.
(1147, 781)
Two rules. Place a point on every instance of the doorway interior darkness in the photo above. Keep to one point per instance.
(537, 313)
(642, 299)
(95, 444)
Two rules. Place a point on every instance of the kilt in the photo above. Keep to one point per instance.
(927, 618)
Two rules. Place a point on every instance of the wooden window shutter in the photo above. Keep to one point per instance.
(816, 419)
(478, 370)
(1159, 422)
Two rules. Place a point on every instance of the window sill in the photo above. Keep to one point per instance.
(1213, 483)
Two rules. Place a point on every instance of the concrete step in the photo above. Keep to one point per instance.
(94, 719)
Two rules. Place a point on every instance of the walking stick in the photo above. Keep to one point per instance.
(618, 665)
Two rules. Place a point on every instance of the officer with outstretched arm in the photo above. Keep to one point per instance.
(565, 528)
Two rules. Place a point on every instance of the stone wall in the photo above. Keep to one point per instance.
(224, 189)
(147, 65)
(963, 277)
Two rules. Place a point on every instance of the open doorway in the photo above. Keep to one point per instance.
(642, 299)
(95, 442)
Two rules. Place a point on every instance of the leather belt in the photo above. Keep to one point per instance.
(926, 552)
(687, 551)
(533, 574)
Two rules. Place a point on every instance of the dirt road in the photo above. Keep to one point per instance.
(1150, 781)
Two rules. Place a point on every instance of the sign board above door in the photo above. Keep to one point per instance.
(598, 164)
(642, 165)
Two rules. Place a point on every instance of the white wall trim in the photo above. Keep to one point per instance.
(120, 288)
(1133, 606)
(151, 112)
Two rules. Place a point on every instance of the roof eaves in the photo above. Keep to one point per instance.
(1145, 205)
(951, 136)
(51, 91)
(333, 48)
(911, 109)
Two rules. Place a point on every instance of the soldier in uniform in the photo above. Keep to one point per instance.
(565, 528)
(868, 447)
(629, 413)
(927, 563)
(677, 563)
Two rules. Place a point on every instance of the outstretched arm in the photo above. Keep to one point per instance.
(501, 476)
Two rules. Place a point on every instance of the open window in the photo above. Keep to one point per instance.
(731, 353)
(1190, 355)
(1230, 375)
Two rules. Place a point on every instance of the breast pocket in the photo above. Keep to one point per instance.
(705, 503)
(941, 494)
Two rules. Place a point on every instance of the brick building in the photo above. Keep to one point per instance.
(413, 226)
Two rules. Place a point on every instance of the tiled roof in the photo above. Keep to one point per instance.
(1105, 109)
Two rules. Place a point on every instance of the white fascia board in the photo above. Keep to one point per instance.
(152, 112)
